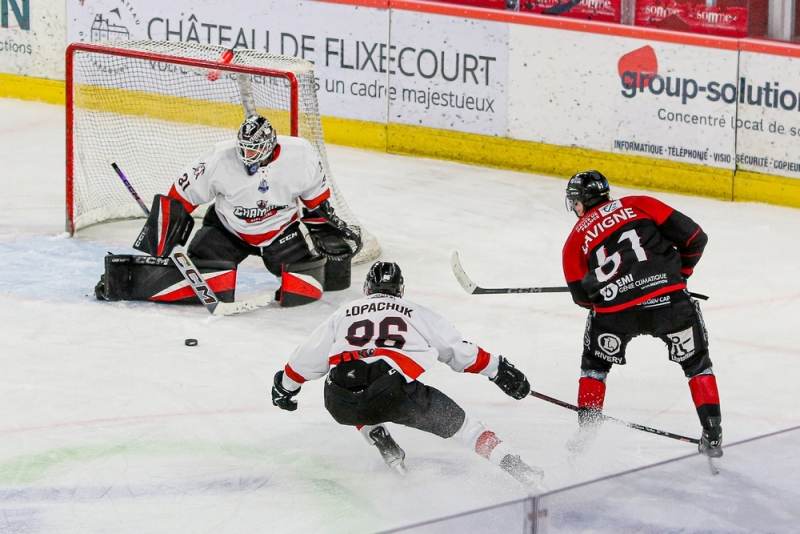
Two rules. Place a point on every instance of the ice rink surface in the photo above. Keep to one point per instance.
(109, 423)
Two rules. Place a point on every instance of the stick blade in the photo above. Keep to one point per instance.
(231, 308)
(468, 285)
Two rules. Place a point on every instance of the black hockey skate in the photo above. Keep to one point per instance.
(711, 442)
(392, 454)
(530, 477)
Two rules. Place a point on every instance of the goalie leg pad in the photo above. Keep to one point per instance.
(168, 225)
(302, 282)
(130, 277)
(337, 275)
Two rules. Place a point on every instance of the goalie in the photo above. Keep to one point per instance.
(255, 182)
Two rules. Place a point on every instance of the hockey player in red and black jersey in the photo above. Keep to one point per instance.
(255, 182)
(627, 261)
(374, 350)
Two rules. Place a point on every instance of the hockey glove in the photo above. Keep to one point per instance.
(511, 380)
(282, 397)
(332, 237)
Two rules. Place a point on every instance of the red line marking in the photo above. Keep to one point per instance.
(134, 418)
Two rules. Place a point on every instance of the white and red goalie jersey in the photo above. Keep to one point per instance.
(408, 336)
(256, 208)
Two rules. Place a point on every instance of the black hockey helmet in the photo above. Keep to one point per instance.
(256, 139)
(384, 277)
(589, 188)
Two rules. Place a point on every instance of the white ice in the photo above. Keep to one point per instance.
(109, 423)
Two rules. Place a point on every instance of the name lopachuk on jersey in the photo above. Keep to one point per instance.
(255, 208)
(630, 251)
(407, 336)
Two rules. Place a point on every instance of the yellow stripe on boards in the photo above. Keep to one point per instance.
(540, 158)
(755, 187)
(35, 89)
(170, 108)
(358, 134)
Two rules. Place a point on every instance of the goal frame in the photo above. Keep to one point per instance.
(188, 62)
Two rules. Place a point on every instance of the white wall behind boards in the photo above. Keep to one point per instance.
(32, 38)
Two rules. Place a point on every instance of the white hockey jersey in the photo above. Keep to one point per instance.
(408, 336)
(256, 208)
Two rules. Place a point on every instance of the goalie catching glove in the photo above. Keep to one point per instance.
(282, 397)
(511, 380)
(168, 225)
(331, 236)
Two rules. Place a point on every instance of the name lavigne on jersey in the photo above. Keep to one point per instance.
(607, 223)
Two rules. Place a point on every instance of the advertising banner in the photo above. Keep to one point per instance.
(32, 38)
(449, 73)
(596, 10)
(724, 19)
(347, 44)
(768, 94)
(675, 102)
(630, 96)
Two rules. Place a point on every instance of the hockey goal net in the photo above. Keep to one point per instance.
(154, 106)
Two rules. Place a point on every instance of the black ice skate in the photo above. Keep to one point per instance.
(530, 477)
(392, 454)
(711, 442)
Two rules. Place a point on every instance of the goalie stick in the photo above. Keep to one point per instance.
(474, 289)
(192, 274)
(714, 469)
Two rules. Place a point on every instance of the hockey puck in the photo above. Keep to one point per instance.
(190, 342)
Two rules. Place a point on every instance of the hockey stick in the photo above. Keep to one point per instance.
(617, 421)
(474, 289)
(192, 274)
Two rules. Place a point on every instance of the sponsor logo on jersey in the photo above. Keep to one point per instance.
(199, 170)
(609, 343)
(656, 302)
(681, 345)
(376, 307)
(263, 187)
(609, 292)
(257, 214)
(651, 281)
(611, 207)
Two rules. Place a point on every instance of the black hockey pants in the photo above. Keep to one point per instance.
(214, 242)
(360, 393)
(675, 319)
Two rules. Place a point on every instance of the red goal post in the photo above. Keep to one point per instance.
(154, 106)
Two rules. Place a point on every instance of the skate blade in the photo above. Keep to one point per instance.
(713, 467)
(401, 468)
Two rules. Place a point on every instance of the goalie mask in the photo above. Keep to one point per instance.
(386, 278)
(589, 188)
(255, 140)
